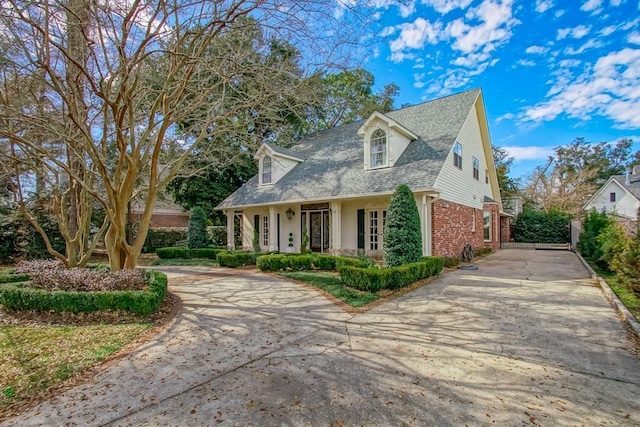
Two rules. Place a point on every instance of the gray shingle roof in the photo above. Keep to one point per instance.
(334, 159)
(284, 151)
(633, 187)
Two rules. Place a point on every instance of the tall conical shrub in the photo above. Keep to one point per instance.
(197, 234)
(402, 233)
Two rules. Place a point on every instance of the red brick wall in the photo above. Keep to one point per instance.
(452, 226)
(505, 229)
(165, 220)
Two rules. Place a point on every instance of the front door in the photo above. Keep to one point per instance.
(319, 236)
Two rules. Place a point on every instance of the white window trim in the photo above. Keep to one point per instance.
(265, 231)
(487, 226)
(473, 220)
(385, 162)
(475, 163)
(262, 181)
(456, 154)
(381, 220)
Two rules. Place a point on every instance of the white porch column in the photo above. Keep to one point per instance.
(425, 219)
(273, 229)
(230, 229)
(336, 225)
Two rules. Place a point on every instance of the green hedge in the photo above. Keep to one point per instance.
(164, 237)
(376, 279)
(236, 259)
(280, 262)
(541, 227)
(7, 276)
(186, 253)
(18, 297)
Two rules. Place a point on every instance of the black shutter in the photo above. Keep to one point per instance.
(256, 224)
(360, 228)
(278, 227)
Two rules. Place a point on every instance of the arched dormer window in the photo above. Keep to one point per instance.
(266, 170)
(378, 144)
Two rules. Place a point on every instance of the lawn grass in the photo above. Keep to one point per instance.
(332, 284)
(628, 298)
(193, 261)
(34, 359)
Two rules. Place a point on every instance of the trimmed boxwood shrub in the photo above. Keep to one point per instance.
(280, 262)
(402, 233)
(8, 276)
(186, 253)
(541, 227)
(235, 259)
(18, 297)
(376, 279)
(163, 237)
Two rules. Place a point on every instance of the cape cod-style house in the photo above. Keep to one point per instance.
(336, 184)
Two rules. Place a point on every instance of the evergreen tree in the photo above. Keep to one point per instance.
(402, 233)
(197, 234)
(588, 245)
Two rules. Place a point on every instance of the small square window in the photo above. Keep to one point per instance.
(612, 197)
(486, 176)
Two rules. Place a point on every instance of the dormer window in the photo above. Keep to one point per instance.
(378, 148)
(266, 170)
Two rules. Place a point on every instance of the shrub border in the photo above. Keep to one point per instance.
(16, 297)
(186, 253)
(285, 262)
(376, 279)
(233, 259)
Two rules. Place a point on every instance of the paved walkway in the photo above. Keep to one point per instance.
(525, 340)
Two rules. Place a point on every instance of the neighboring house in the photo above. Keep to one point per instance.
(513, 205)
(337, 184)
(620, 196)
(166, 213)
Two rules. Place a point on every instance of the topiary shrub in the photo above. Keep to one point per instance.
(197, 234)
(402, 233)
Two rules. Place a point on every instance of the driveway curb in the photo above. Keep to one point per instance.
(613, 299)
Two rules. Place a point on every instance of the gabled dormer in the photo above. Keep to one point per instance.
(275, 162)
(384, 141)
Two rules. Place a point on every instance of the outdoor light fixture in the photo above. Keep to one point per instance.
(290, 214)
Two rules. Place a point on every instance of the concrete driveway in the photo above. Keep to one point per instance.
(525, 340)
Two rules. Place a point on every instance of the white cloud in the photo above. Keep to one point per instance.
(506, 116)
(634, 37)
(415, 35)
(575, 33)
(446, 6)
(608, 30)
(568, 63)
(610, 88)
(526, 63)
(593, 43)
(559, 13)
(496, 21)
(537, 49)
(615, 2)
(593, 6)
(532, 152)
(543, 5)
(387, 31)
(419, 80)
(405, 7)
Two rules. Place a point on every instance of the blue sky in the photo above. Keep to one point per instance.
(550, 70)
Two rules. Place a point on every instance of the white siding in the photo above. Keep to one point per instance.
(625, 205)
(460, 186)
(280, 166)
(396, 143)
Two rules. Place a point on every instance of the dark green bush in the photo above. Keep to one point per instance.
(281, 262)
(541, 227)
(164, 238)
(452, 261)
(402, 232)
(197, 234)
(373, 279)
(186, 253)
(17, 297)
(589, 246)
(235, 259)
